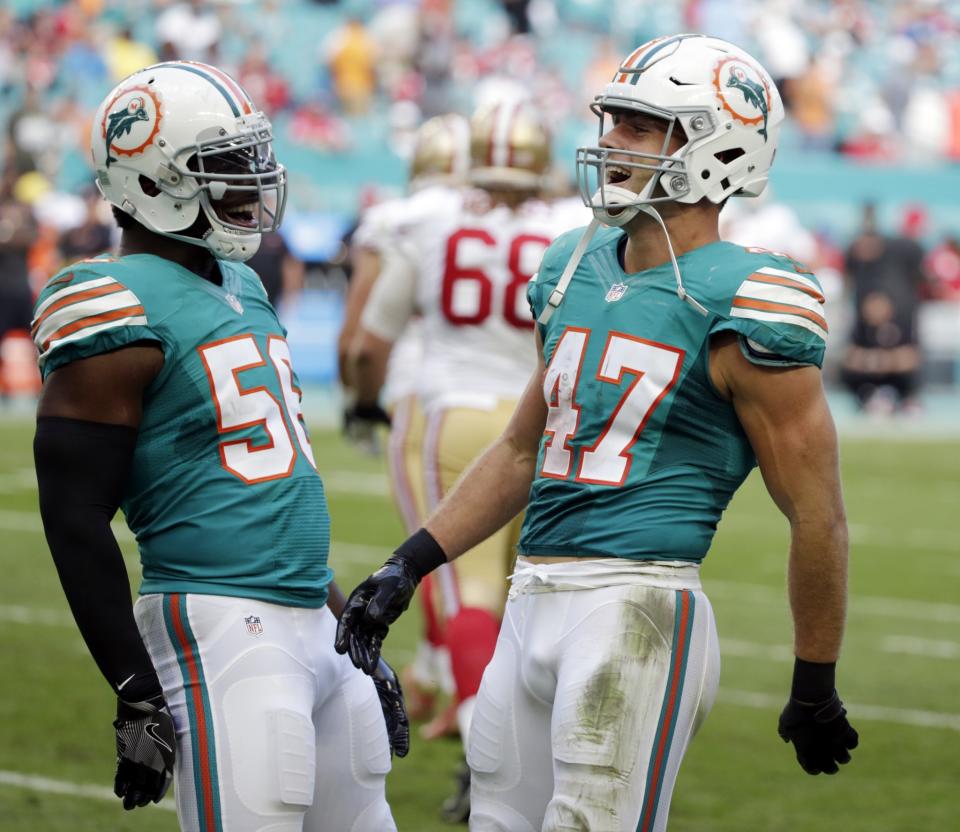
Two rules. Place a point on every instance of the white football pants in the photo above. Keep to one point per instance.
(276, 732)
(603, 672)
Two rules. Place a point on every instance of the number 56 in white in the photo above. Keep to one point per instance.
(238, 408)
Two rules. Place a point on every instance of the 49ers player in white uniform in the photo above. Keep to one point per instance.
(440, 162)
(462, 260)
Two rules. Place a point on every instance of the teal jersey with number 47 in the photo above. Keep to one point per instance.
(224, 497)
(641, 455)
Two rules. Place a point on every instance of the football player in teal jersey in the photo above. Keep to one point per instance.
(169, 392)
(670, 364)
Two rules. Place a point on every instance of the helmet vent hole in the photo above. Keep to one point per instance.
(148, 186)
(704, 174)
(728, 156)
(724, 183)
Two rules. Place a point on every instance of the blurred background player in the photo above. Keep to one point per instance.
(169, 391)
(440, 160)
(462, 260)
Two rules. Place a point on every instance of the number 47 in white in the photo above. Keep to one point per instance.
(655, 368)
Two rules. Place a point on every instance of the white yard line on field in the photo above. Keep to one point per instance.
(352, 482)
(364, 554)
(754, 650)
(877, 713)
(926, 647)
(29, 521)
(864, 604)
(861, 534)
(45, 784)
(23, 479)
(744, 698)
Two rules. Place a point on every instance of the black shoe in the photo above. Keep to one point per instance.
(456, 808)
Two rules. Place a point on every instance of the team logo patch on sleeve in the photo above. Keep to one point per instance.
(779, 296)
(76, 311)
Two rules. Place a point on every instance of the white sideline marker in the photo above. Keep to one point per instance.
(33, 783)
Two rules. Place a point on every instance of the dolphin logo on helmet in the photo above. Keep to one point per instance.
(754, 94)
(121, 122)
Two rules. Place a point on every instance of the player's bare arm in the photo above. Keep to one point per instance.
(785, 415)
(367, 362)
(105, 388)
(489, 494)
(390, 305)
(366, 269)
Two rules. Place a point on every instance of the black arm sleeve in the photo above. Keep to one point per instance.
(82, 470)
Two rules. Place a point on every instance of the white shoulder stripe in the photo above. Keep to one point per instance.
(72, 290)
(777, 317)
(83, 309)
(120, 323)
(779, 294)
(799, 278)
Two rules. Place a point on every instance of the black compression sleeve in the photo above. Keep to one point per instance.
(82, 470)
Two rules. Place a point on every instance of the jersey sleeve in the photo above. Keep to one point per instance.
(393, 297)
(82, 313)
(778, 314)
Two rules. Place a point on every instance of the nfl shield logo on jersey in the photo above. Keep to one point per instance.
(235, 304)
(254, 627)
(615, 292)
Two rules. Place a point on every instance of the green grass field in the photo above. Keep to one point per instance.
(900, 673)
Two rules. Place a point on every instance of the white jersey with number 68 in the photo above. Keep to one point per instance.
(464, 263)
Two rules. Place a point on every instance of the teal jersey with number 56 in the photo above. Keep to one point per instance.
(224, 497)
(641, 454)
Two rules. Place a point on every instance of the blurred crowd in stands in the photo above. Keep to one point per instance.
(875, 80)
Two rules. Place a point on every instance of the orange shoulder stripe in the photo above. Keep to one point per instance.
(93, 320)
(783, 308)
(786, 281)
(76, 297)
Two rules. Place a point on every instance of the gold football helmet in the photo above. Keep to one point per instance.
(509, 147)
(440, 152)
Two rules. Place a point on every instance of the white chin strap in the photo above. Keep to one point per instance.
(650, 211)
(622, 217)
(607, 202)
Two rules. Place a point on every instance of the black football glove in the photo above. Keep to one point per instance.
(820, 734)
(370, 610)
(146, 750)
(394, 709)
(376, 603)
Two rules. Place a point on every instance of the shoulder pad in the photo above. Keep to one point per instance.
(83, 301)
(778, 305)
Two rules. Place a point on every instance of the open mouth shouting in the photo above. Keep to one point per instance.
(243, 214)
(616, 174)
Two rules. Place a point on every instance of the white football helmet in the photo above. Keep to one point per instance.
(180, 137)
(725, 102)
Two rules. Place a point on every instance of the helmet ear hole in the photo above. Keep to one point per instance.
(148, 186)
